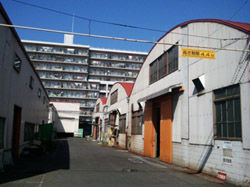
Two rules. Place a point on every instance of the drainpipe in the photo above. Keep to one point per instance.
(127, 122)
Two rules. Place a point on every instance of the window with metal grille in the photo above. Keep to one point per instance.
(122, 123)
(164, 65)
(137, 121)
(2, 120)
(112, 118)
(227, 112)
(17, 63)
(114, 96)
(29, 131)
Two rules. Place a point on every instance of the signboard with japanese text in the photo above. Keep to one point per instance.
(197, 53)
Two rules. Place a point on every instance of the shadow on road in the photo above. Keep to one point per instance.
(46, 162)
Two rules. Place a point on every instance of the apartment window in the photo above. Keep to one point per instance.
(17, 63)
(29, 131)
(137, 121)
(164, 65)
(98, 107)
(114, 96)
(31, 83)
(228, 112)
(122, 123)
(1, 132)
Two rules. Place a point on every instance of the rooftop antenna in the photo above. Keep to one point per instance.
(73, 22)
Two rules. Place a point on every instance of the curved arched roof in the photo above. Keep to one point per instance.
(128, 86)
(244, 27)
(103, 99)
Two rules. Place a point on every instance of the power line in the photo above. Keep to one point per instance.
(90, 20)
(237, 11)
(121, 39)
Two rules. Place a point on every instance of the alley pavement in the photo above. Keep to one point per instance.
(82, 162)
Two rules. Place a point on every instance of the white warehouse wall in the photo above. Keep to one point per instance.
(15, 88)
(193, 123)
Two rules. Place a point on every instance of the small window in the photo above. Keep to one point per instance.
(44, 99)
(114, 96)
(29, 131)
(2, 120)
(17, 63)
(39, 92)
(31, 83)
(228, 113)
(164, 65)
(137, 122)
(122, 123)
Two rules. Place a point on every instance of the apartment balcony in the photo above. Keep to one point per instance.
(112, 75)
(58, 62)
(87, 106)
(64, 80)
(75, 98)
(59, 70)
(71, 89)
(86, 113)
(116, 60)
(114, 68)
(60, 59)
(56, 50)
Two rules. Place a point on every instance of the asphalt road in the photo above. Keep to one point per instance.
(79, 162)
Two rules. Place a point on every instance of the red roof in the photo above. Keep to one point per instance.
(104, 100)
(244, 27)
(128, 87)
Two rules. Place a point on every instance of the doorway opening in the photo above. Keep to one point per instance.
(157, 126)
(16, 131)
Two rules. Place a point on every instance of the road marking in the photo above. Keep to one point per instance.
(150, 163)
(41, 181)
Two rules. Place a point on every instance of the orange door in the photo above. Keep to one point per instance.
(148, 131)
(166, 130)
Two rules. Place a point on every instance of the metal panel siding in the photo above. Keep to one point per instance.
(201, 119)
(245, 113)
(166, 130)
(149, 132)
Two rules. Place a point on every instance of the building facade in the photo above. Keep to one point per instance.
(80, 73)
(195, 102)
(23, 99)
(190, 106)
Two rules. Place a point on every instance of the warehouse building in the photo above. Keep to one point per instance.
(23, 99)
(195, 102)
(98, 116)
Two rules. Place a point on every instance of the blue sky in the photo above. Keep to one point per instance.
(157, 14)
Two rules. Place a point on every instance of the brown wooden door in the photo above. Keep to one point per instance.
(16, 131)
(149, 131)
(166, 130)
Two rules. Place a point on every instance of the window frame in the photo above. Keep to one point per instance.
(164, 59)
(226, 99)
(122, 123)
(31, 82)
(113, 97)
(17, 66)
(30, 137)
(136, 129)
